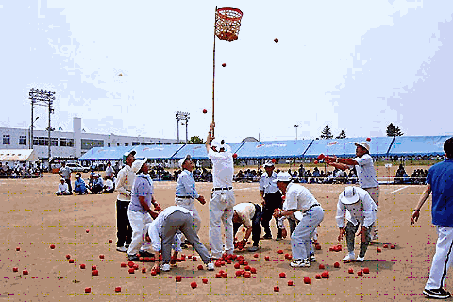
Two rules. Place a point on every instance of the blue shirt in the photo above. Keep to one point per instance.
(185, 185)
(143, 186)
(440, 178)
(80, 184)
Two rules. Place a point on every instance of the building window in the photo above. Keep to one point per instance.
(22, 140)
(6, 139)
(66, 142)
(87, 144)
(54, 141)
(135, 143)
(126, 144)
(40, 141)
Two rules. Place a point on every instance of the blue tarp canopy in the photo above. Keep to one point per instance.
(282, 149)
(418, 145)
(106, 153)
(346, 147)
(156, 151)
(198, 151)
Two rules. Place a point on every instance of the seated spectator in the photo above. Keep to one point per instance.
(97, 185)
(80, 186)
(109, 186)
(63, 188)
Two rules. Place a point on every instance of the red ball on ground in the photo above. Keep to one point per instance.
(247, 268)
(118, 289)
(18, 248)
(217, 263)
(110, 240)
(218, 275)
(82, 266)
(24, 272)
(238, 273)
(178, 278)
(135, 266)
(279, 252)
(245, 262)
(68, 256)
(267, 258)
(131, 271)
(247, 275)
(93, 267)
(205, 281)
(336, 264)
(322, 266)
(282, 275)
(392, 246)
(87, 230)
(71, 260)
(378, 250)
(193, 284)
(290, 283)
(95, 273)
(256, 256)
(194, 258)
(87, 290)
(318, 276)
(224, 64)
(366, 270)
(307, 280)
(317, 246)
(101, 256)
(385, 246)
(350, 271)
(205, 111)
(276, 289)
(123, 264)
(143, 270)
(130, 264)
(200, 267)
(237, 265)
(253, 270)
(359, 273)
(325, 274)
(52, 246)
(153, 272)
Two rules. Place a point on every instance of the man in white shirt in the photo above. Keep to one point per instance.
(65, 172)
(359, 209)
(123, 186)
(249, 215)
(109, 170)
(271, 198)
(222, 196)
(162, 234)
(63, 188)
(366, 172)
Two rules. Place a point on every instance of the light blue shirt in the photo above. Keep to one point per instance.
(185, 185)
(155, 228)
(267, 183)
(143, 186)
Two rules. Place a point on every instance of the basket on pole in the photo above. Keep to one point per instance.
(228, 23)
(226, 27)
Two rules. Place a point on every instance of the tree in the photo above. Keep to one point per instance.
(196, 140)
(341, 135)
(326, 133)
(393, 130)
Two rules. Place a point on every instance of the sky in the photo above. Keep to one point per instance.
(353, 65)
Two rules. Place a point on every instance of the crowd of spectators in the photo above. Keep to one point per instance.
(26, 170)
(418, 176)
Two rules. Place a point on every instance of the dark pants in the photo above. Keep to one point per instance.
(351, 230)
(124, 230)
(272, 201)
(96, 189)
(256, 226)
(68, 181)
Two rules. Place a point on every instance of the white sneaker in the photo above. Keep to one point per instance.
(121, 249)
(360, 259)
(300, 263)
(312, 258)
(165, 267)
(349, 257)
(210, 266)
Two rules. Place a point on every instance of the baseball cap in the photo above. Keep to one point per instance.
(137, 165)
(182, 160)
(349, 195)
(268, 163)
(283, 176)
(364, 145)
(131, 153)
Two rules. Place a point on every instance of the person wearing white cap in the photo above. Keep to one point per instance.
(186, 192)
(359, 209)
(366, 172)
(123, 185)
(63, 188)
(98, 184)
(302, 206)
(271, 199)
(222, 196)
(139, 212)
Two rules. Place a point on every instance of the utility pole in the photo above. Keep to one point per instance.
(295, 127)
(42, 98)
(182, 116)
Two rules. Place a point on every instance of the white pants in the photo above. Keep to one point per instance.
(188, 204)
(139, 223)
(442, 258)
(300, 238)
(374, 193)
(221, 210)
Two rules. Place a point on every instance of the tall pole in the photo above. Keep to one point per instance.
(48, 132)
(31, 127)
(213, 67)
(295, 127)
(177, 129)
(187, 133)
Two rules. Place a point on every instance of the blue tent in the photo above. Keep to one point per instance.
(198, 151)
(156, 151)
(282, 149)
(418, 145)
(106, 153)
(346, 147)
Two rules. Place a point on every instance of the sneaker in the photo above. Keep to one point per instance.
(122, 249)
(312, 258)
(210, 266)
(267, 236)
(349, 257)
(145, 254)
(360, 259)
(132, 258)
(436, 293)
(300, 263)
(165, 267)
(253, 248)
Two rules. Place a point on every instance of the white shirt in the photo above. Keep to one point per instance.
(246, 211)
(63, 188)
(155, 228)
(363, 211)
(109, 184)
(299, 198)
(109, 171)
(222, 168)
(124, 183)
(366, 172)
(266, 183)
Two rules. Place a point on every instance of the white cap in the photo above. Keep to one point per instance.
(283, 176)
(364, 145)
(182, 160)
(219, 145)
(349, 196)
(268, 163)
(137, 165)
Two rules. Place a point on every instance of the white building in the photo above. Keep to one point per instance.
(69, 144)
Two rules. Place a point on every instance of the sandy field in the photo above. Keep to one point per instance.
(33, 218)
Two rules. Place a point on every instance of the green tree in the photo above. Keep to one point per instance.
(341, 135)
(393, 130)
(196, 140)
(326, 133)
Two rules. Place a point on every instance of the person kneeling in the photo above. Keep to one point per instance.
(249, 215)
(98, 185)
(109, 187)
(63, 188)
(162, 234)
(80, 186)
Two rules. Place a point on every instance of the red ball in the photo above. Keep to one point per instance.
(144, 270)
(94, 273)
(318, 276)
(359, 273)
(276, 40)
(118, 289)
(247, 275)
(392, 246)
(123, 264)
(336, 264)
(253, 270)
(205, 111)
(276, 289)
(101, 256)
(368, 139)
(205, 281)
(200, 267)
(274, 160)
(52, 246)
(235, 156)
(193, 284)
(24, 272)
(350, 271)
(178, 278)
(290, 283)
(238, 273)
(322, 266)
(256, 256)
(378, 250)
(153, 273)
(82, 266)
(71, 260)
(315, 162)
(15, 269)
(18, 248)
(366, 270)
(386, 246)
(307, 280)
(131, 271)
(237, 265)
(325, 274)
(267, 258)
(110, 240)
(224, 64)
(87, 230)
(68, 256)
(279, 252)
(247, 268)
(282, 275)
(317, 246)
(93, 267)
(87, 290)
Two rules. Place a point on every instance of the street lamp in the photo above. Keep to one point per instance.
(295, 127)
(182, 116)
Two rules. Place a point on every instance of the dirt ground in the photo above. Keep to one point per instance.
(33, 218)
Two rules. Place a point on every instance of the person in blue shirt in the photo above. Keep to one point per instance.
(98, 184)
(80, 186)
(440, 184)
